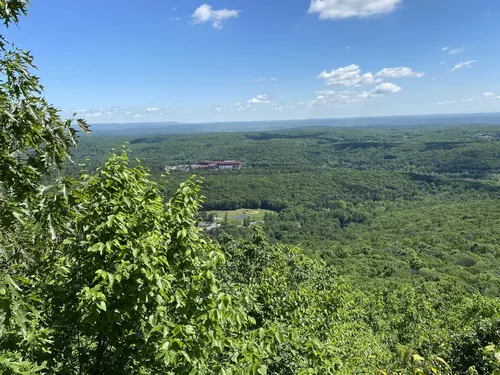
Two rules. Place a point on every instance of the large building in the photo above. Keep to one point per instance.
(226, 164)
(207, 164)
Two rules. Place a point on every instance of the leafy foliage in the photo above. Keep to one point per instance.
(315, 317)
(34, 142)
(131, 288)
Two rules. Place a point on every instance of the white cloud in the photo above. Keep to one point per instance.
(467, 100)
(238, 107)
(334, 98)
(119, 114)
(466, 64)
(491, 95)
(96, 114)
(205, 13)
(456, 50)
(326, 92)
(331, 97)
(264, 79)
(386, 88)
(338, 9)
(447, 102)
(259, 99)
(364, 95)
(348, 76)
(442, 62)
(453, 51)
(399, 72)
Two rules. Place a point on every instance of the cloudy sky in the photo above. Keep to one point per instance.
(238, 60)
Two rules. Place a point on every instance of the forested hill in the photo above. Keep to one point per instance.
(407, 204)
(458, 149)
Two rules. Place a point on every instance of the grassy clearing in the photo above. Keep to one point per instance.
(240, 215)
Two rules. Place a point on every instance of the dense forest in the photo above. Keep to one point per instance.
(408, 204)
(379, 253)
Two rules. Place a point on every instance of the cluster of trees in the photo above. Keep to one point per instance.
(107, 273)
(429, 238)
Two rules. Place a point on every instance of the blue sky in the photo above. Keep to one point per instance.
(238, 60)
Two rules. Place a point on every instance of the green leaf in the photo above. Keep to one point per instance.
(442, 361)
(279, 337)
(417, 358)
(262, 333)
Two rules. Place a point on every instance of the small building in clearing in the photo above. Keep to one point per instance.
(226, 164)
(207, 164)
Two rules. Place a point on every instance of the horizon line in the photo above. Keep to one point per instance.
(297, 119)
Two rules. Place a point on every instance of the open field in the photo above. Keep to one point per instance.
(240, 215)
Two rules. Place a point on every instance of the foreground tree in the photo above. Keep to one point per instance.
(131, 288)
(99, 275)
(34, 142)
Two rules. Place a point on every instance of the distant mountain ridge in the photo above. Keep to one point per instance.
(214, 127)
